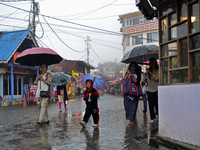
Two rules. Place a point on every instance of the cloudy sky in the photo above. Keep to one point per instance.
(64, 25)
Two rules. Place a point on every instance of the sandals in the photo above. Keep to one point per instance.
(46, 122)
(39, 122)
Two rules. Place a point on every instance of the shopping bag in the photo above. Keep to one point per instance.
(55, 94)
(131, 89)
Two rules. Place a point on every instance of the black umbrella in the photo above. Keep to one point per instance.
(141, 54)
(37, 56)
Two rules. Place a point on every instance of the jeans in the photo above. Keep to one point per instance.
(153, 102)
(144, 102)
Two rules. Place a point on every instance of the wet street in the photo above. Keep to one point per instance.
(18, 128)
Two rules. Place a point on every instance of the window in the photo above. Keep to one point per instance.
(165, 71)
(196, 67)
(152, 37)
(130, 22)
(183, 9)
(169, 49)
(141, 20)
(6, 80)
(164, 30)
(184, 52)
(194, 18)
(135, 21)
(127, 41)
(127, 23)
(137, 39)
(179, 31)
(179, 41)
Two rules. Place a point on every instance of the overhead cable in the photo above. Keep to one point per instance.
(67, 21)
(61, 39)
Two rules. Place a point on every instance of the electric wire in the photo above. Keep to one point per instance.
(8, 15)
(96, 53)
(61, 39)
(86, 26)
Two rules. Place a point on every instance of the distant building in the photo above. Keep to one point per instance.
(111, 69)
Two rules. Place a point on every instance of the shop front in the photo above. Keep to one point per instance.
(13, 76)
(178, 93)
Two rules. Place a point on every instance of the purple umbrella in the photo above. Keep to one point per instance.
(37, 56)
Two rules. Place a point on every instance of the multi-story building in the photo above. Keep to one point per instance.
(138, 31)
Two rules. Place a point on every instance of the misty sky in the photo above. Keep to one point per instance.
(101, 14)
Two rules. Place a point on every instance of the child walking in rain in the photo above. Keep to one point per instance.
(90, 97)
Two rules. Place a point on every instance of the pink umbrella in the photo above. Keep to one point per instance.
(37, 56)
(118, 79)
(147, 62)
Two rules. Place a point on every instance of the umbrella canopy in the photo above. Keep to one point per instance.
(60, 78)
(98, 81)
(37, 56)
(118, 79)
(141, 54)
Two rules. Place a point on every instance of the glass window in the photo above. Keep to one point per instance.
(169, 49)
(127, 41)
(179, 76)
(195, 18)
(165, 71)
(152, 37)
(173, 19)
(179, 31)
(164, 28)
(174, 62)
(168, 6)
(137, 39)
(130, 22)
(184, 52)
(196, 67)
(141, 20)
(135, 21)
(183, 9)
(195, 42)
(146, 21)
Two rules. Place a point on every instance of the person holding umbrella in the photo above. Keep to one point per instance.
(131, 103)
(43, 81)
(152, 88)
(60, 79)
(62, 96)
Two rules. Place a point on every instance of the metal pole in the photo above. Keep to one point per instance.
(34, 17)
(11, 84)
(88, 49)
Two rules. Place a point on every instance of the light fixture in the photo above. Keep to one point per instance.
(193, 18)
(121, 71)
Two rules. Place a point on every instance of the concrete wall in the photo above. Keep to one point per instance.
(179, 113)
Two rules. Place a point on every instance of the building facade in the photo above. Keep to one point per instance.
(137, 30)
(178, 93)
(12, 75)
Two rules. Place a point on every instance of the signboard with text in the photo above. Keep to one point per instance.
(18, 70)
(33, 90)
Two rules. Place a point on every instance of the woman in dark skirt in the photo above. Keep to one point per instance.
(131, 103)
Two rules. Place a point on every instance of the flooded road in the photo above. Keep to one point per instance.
(18, 128)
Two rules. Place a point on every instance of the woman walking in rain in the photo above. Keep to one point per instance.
(131, 103)
(152, 88)
(62, 96)
(43, 81)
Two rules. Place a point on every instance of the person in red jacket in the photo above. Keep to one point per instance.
(90, 97)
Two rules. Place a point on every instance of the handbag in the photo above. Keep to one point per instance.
(44, 93)
(131, 89)
(55, 94)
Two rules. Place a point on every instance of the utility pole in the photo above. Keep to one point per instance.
(34, 18)
(87, 48)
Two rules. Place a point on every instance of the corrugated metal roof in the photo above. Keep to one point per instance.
(9, 42)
